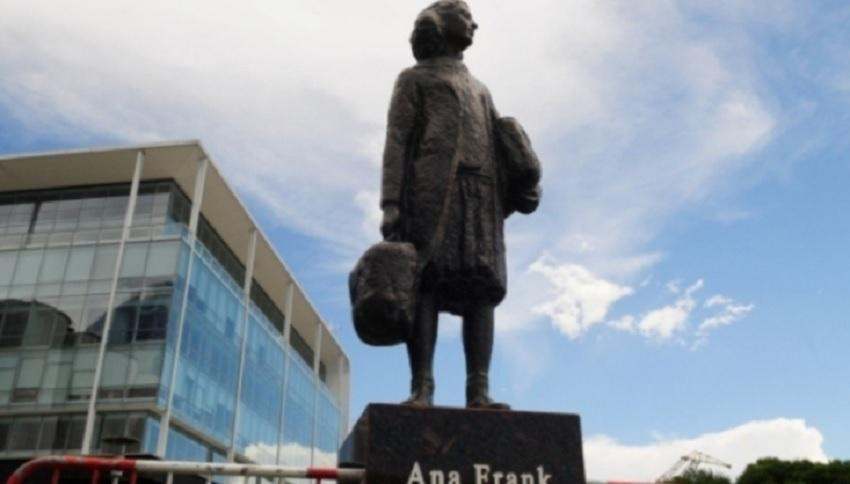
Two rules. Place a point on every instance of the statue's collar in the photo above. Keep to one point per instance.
(443, 62)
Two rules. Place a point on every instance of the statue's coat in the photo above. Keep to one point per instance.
(438, 112)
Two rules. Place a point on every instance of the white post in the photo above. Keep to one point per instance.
(317, 355)
(289, 311)
(197, 201)
(287, 329)
(104, 338)
(246, 296)
(317, 358)
(342, 396)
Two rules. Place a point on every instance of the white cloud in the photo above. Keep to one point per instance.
(663, 323)
(605, 458)
(717, 300)
(674, 286)
(369, 203)
(625, 323)
(730, 312)
(581, 299)
(292, 454)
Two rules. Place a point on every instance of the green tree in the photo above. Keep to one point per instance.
(775, 471)
(697, 476)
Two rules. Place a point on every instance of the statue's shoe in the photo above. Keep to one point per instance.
(421, 393)
(484, 401)
(419, 399)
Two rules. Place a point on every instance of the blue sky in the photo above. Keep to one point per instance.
(683, 285)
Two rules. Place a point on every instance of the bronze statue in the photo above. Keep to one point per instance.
(441, 120)
(453, 170)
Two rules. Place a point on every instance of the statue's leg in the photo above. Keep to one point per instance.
(478, 348)
(420, 352)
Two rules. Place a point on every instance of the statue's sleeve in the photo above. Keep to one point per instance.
(400, 128)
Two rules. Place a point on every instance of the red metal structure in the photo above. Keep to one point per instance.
(117, 468)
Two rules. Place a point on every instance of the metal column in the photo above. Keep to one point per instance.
(343, 396)
(290, 309)
(287, 330)
(104, 338)
(194, 217)
(317, 358)
(249, 276)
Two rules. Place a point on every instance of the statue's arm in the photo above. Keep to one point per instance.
(401, 121)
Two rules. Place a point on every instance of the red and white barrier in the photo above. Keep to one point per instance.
(132, 467)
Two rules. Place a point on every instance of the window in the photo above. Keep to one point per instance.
(113, 215)
(7, 378)
(80, 264)
(27, 270)
(134, 260)
(115, 369)
(48, 432)
(39, 329)
(46, 217)
(31, 372)
(4, 433)
(60, 434)
(72, 308)
(299, 344)
(5, 210)
(148, 361)
(67, 215)
(95, 314)
(124, 323)
(7, 266)
(24, 395)
(24, 434)
(14, 325)
(162, 261)
(20, 218)
(153, 320)
(104, 262)
(75, 433)
(53, 267)
(91, 212)
(55, 382)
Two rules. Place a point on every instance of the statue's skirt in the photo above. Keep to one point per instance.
(469, 267)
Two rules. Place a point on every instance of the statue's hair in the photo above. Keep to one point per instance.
(427, 39)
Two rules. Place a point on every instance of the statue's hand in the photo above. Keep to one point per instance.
(390, 225)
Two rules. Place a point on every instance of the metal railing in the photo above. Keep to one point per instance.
(128, 470)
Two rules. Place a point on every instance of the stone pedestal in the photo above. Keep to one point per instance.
(399, 444)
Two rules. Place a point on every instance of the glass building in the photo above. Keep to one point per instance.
(142, 311)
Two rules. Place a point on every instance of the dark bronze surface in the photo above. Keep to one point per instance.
(448, 183)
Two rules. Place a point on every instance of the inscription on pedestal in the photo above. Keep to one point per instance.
(409, 445)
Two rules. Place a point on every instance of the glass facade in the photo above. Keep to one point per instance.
(297, 432)
(209, 354)
(261, 399)
(58, 256)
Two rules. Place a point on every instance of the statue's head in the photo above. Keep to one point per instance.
(445, 28)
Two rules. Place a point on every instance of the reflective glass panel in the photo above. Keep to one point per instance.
(262, 392)
(298, 421)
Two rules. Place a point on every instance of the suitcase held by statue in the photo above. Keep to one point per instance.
(382, 288)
